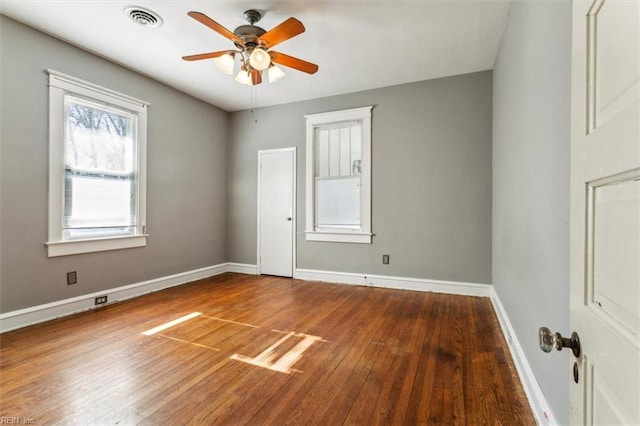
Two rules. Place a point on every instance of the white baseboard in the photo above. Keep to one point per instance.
(242, 268)
(537, 401)
(40, 313)
(399, 283)
(35, 314)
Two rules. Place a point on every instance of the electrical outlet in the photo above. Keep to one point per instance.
(385, 259)
(72, 277)
(101, 300)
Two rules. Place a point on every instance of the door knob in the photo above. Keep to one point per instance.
(549, 340)
(289, 219)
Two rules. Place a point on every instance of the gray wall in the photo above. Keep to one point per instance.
(431, 175)
(531, 141)
(186, 189)
(432, 179)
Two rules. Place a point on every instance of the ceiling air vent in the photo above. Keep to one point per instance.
(144, 17)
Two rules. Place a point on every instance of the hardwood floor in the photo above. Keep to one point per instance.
(266, 350)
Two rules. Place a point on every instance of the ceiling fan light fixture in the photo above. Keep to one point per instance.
(244, 77)
(275, 73)
(259, 59)
(225, 63)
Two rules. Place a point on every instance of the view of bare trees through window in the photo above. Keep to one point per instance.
(99, 168)
(96, 139)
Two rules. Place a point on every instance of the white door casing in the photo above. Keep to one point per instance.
(605, 211)
(276, 211)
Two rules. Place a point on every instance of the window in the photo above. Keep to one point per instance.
(97, 146)
(339, 176)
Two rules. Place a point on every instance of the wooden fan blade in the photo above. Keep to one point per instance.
(292, 62)
(256, 77)
(205, 20)
(287, 29)
(205, 55)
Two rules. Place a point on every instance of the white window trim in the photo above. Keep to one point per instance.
(362, 235)
(59, 84)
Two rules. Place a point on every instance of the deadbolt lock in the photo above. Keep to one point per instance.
(549, 340)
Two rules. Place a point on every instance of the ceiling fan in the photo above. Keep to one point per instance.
(253, 47)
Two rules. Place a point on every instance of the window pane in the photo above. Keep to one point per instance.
(97, 202)
(338, 153)
(99, 169)
(337, 150)
(338, 202)
(98, 139)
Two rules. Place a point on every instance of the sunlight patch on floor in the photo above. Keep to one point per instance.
(170, 324)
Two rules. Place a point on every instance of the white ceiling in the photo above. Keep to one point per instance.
(358, 45)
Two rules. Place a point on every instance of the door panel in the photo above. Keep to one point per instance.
(612, 66)
(605, 211)
(604, 402)
(615, 243)
(276, 224)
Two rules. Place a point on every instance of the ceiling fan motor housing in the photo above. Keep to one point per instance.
(249, 34)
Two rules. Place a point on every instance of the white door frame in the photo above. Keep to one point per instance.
(293, 203)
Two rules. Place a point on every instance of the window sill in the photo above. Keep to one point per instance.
(66, 248)
(339, 237)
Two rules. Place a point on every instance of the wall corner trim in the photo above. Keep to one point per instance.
(537, 401)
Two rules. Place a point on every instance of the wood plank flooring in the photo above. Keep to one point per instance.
(346, 355)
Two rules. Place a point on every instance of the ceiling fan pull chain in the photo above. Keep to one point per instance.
(254, 103)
